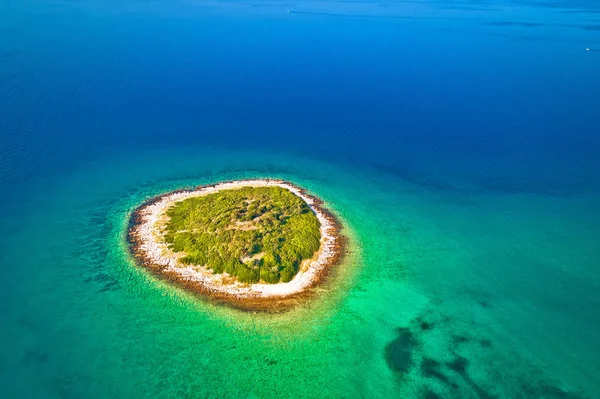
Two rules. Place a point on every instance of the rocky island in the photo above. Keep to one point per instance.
(253, 244)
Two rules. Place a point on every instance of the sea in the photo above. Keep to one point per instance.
(458, 142)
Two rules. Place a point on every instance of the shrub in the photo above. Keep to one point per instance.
(270, 224)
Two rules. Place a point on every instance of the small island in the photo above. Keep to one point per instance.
(254, 244)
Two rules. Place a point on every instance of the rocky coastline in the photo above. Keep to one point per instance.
(151, 252)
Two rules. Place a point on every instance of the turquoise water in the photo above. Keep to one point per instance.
(458, 145)
(497, 280)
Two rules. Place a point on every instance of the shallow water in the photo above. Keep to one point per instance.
(458, 142)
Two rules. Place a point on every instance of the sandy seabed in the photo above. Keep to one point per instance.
(151, 251)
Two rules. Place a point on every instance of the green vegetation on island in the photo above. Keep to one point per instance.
(254, 233)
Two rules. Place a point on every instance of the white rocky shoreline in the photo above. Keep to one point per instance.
(150, 249)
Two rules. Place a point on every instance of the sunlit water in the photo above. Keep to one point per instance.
(458, 143)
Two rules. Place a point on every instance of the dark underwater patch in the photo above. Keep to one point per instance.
(399, 352)
(431, 368)
(425, 326)
(484, 304)
(460, 339)
(453, 376)
(459, 365)
(429, 394)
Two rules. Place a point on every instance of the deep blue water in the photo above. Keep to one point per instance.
(473, 99)
(412, 88)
